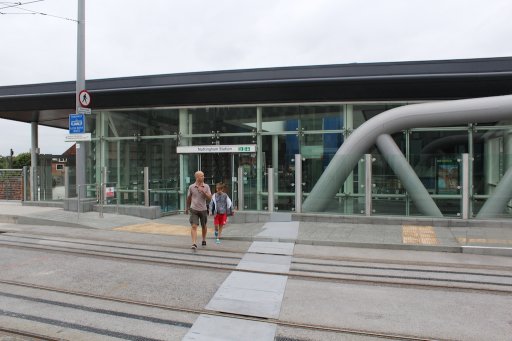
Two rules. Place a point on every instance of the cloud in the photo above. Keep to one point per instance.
(129, 37)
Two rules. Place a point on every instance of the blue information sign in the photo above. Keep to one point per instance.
(76, 123)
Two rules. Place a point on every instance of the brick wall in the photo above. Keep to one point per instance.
(11, 189)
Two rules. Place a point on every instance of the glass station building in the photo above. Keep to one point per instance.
(271, 115)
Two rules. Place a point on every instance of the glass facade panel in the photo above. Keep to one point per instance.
(126, 141)
(222, 120)
(493, 157)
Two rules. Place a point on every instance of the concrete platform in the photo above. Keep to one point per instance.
(400, 233)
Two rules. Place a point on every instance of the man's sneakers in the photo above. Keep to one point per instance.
(203, 243)
(194, 246)
(217, 241)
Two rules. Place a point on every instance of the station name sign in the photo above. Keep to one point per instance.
(212, 149)
(78, 137)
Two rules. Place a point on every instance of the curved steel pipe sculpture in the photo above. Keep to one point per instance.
(475, 110)
(495, 205)
(396, 160)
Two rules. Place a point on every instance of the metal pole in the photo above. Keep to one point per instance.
(34, 151)
(25, 170)
(146, 186)
(78, 202)
(368, 185)
(259, 157)
(103, 189)
(465, 186)
(298, 183)
(80, 85)
(270, 176)
(66, 182)
(240, 188)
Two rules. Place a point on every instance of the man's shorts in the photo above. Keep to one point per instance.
(220, 219)
(196, 216)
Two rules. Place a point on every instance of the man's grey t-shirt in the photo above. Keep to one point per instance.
(198, 199)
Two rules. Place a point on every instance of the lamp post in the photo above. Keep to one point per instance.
(80, 85)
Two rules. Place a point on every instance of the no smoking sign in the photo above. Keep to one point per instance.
(84, 98)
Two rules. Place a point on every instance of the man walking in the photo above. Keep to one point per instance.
(198, 195)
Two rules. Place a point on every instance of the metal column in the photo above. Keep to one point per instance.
(103, 189)
(270, 176)
(465, 186)
(259, 158)
(183, 141)
(240, 189)
(368, 184)
(298, 183)
(34, 151)
(66, 182)
(146, 186)
(80, 85)
(25, 171)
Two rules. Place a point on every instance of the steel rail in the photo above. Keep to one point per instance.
(28, 334)
(231, 267)
(220, 314)
(296, 256)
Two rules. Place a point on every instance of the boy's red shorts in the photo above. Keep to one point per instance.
(220, 219)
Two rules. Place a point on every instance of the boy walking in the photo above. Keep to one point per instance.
(220, 206)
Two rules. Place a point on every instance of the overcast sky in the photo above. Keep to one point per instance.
(128, 38)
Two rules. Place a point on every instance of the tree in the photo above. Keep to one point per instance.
(21, 160)
(4, 162)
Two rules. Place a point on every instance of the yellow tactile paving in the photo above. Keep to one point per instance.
(419, 235)
(463, 240)
(156, 228)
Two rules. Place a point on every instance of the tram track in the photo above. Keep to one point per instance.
(289, 324)
(26, 334)
(209, 262)
(298, 255)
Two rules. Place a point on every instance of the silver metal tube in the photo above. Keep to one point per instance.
(34, 151)
(270, 190)
(146, 186)
(368, 184)
(298, 183)
(240, 189)
(24, 174)
(417, 115)
(66, 182)
(78, 202)
(80, 85)
(259, 157)
(465, 186)
(396, 160)
(103, 190)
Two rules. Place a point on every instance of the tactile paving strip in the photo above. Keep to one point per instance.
(156, 228)
(419, 235)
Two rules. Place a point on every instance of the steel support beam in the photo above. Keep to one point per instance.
(415, 188)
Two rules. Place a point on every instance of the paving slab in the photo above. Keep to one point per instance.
(273, 248)
(265, 263)
(250, 294)
(217, 328)
(285, 230)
